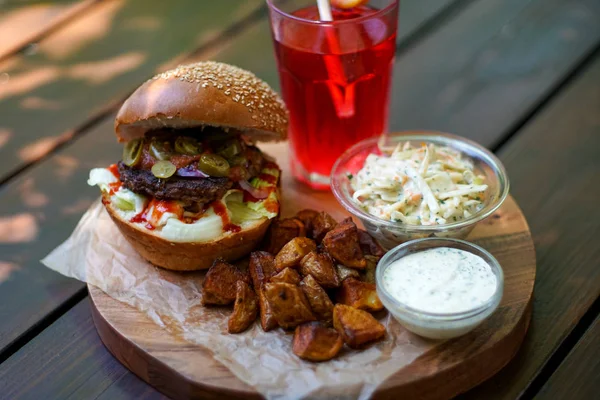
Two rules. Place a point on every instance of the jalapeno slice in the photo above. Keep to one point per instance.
(132, 152)
(230, 148)
(158, 150)
(238, 160)
(188, 146)
(213, 165)
(164, 169)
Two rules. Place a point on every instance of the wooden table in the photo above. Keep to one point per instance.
(520, 77)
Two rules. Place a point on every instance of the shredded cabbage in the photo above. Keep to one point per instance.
(427, 185)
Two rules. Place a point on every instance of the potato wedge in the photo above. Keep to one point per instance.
(307, 216)
(321, 224)
(289, 304)
(245, 308)
(315, 342)
(267, 319)
(345, 272)
(282, 231)
(287, 275)
(319, 301)
(368, 274)
(320, 265)
(261, 267)
(357, 327)
(342, 244)
(369, 245)
(358, 294)
(293, 252)
(219, 286)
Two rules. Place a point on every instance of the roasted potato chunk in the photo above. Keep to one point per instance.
(293, 252)
(315, 342)
(319, 301)
(289, 304)
(307, 216)
(342, 244)
(321, 224)
(219, 286)
(356, 327)
(345, 272)
(320, 265)
(282, 231)
(261, 267)
(267, 319)
(368, 274)
(369, 245)
(287, 275)
(245, 308)
(358, 294)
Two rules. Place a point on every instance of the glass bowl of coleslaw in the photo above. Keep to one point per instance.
(412, 185)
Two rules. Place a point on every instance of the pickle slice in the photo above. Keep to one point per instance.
(163, 169)
(132, 152)
(213, 165)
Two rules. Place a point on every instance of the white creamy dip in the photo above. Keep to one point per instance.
(440, 280)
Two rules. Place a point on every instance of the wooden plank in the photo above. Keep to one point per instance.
(46, 201)
(578, 377)
(63, 92)
(104, 150)
(24, 24)
(49, 353)
(488, 69)
(554, 167)
(97, 59)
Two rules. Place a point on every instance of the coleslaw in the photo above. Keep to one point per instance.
(419, 185)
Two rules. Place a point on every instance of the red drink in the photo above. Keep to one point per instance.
(335, 79)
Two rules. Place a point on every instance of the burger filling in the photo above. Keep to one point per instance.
(191, 185)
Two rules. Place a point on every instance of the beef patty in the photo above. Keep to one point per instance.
(202, 190)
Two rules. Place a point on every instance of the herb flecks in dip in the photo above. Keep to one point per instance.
(441, 280)
(426, 185)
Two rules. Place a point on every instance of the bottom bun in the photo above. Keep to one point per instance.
(189, 256)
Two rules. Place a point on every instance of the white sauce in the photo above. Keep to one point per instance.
(440, 280)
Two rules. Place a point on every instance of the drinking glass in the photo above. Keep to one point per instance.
(335, 78)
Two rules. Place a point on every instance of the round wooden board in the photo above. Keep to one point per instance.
(183, 370)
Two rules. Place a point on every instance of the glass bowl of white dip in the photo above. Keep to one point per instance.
(390, 232)
(439, 288)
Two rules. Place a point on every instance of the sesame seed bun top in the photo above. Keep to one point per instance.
(204, 93)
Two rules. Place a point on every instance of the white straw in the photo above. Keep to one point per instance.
(324, 10)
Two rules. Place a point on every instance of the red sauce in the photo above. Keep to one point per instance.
(270, 165)
(159, 207)
(232, 228)
(147, 160)
(114, 187)
(150, 227)
(164, 206)
(271, 206)
(139, 218)
(221, 211)
(183, 160)
(114, 170)
(271, 179)
(249, 198)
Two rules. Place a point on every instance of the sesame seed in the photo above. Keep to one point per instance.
(246, 88)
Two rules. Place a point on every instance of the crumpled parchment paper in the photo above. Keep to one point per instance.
(97, 253)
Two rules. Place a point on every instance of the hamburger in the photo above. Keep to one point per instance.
(191, 185)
